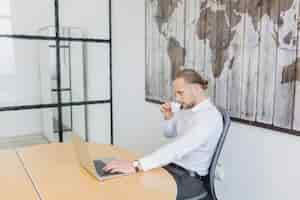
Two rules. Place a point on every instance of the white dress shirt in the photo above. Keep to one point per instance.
(197, 131)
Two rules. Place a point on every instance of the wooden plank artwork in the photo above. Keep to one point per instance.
(222, 61)
(284, 88)
(149, 49)
(195, 35)
(267, 62)
(148, 43)
(248, 50)
(296, 117)
(250, 60)
(235, 73)
(165, 40)
(210, 45)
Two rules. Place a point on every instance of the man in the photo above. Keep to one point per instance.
(197, 127)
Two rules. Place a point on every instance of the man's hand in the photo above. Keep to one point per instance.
(166, 110)
(123, 166)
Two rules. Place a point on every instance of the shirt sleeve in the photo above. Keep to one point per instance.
(196, 136)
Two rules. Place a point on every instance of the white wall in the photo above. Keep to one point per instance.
(137, 123)
(259, 164)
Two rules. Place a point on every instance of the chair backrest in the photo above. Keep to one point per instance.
(214, 162)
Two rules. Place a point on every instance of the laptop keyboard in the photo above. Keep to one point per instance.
(99, 165)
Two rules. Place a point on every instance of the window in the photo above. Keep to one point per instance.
(7, 61)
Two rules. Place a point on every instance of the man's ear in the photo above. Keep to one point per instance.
(196, 88)
(201, 88)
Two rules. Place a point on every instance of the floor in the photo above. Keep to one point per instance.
(22, 141)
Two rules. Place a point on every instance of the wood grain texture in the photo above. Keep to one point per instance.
(235, 74)
(150, 73)
(164, 46)
(287, 55)
(222, 59)
(250, 60)
(202, 34)
(267, 62)
(210, 45)
(148, 43)
(296, 117)
(195, 35)
(176, 53)
(59, 176)
(15, 184)
(247, 50)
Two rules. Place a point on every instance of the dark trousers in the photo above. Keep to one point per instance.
(187, 186)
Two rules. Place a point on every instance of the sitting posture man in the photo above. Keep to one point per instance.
(197, 126)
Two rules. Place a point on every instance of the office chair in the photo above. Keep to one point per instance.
(209, 180)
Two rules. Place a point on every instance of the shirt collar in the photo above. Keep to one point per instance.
(200, 105)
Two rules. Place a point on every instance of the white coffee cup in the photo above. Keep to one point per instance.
(175, 106)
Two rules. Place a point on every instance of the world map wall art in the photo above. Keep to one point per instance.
(248, 50)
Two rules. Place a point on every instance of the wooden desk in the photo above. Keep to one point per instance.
(57, 175)
(14, 184)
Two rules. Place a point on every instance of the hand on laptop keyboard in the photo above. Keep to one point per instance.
(99, 165)
(123, 166)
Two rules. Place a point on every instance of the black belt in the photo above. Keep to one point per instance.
(180, 170)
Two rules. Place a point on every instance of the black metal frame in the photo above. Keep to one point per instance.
(247, 122)
(59, 103)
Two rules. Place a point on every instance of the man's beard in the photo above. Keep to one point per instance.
(187, 106)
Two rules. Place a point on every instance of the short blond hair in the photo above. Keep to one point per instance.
(192, 77)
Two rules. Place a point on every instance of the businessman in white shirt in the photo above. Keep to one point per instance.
(196, 125)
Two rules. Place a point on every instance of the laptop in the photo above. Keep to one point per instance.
(93, 167)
